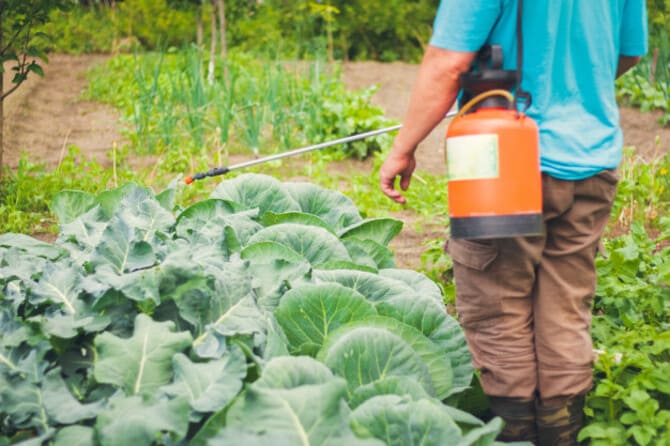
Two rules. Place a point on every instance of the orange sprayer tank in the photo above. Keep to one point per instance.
(495, 185)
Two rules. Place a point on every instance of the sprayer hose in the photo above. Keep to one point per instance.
(487, 94)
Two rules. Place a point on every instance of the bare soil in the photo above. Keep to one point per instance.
(46, 115)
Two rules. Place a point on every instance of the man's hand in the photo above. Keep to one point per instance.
(396, 165)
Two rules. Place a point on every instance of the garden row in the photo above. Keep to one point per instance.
(270, 313)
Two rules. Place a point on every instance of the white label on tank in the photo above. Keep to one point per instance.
(473, 157)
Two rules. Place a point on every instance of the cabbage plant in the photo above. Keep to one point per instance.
(270, 313)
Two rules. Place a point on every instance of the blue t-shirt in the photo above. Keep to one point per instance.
(571, 53)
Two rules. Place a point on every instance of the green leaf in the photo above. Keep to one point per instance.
(363, 355)
(397, 300)
(144, 214)
(310, 312)
(437, 363)
(75, 436)
(315, 244)
(120, 249)
(613, 433)
(270, 218)
(30, 246)
(205, 221)
(70, 204)
(142, 363)
(134, 421)
(297, 410)
(111, 200)
(334, 208)
(168, 197)
(83, 234)
(229, 309)
(485, 435)
(401, 421)
(21, 397)
(59, 403)
(208, 386)
(367, 252)
(273, 267)
(253, 191)
(418, 282)
(380, 230)
(140, 286)
(373, 286)
(60, 285)
(267, 252)
(292, 372)
(432, 320)
(393, 385)
(35, 68)
(347, 265)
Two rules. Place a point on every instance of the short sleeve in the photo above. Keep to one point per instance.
(634, 29)
(464, 25)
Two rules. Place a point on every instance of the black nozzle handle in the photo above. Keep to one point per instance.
(210, 173)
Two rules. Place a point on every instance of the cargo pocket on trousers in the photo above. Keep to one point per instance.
(477, 290)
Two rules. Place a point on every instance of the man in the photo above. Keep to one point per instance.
(525, 303)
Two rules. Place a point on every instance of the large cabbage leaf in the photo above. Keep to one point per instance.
(395, 299)
(143, 363)
(299, 402)
(436, 362)
(365, 354)
(315, 244)
(333, 207)
(253, 191)
(309, 313)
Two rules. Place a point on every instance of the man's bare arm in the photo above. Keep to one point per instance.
(626, 63)
(434, 92)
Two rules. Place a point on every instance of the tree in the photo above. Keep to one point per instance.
(19, 45)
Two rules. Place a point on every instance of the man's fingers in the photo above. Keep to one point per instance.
(390, 191)
(405, 180)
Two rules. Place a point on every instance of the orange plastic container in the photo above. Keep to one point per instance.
(495, 184)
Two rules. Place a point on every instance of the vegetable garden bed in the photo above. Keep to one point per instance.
(270, 313)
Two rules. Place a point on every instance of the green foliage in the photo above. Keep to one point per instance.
(154, 24)
(25, 193)
(145, 324)
(648, 84)
(19, 20)
(643, 193)
(659, 19)
(630, 404)
(380, 30)
(250, 106)
(80, 31)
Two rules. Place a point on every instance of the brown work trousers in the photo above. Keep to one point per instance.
(525, 303)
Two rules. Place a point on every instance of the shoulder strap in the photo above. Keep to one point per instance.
(525, 96)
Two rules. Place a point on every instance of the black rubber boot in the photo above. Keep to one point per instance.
(519, 417)
(559, 422)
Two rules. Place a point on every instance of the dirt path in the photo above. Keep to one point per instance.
(46, 115)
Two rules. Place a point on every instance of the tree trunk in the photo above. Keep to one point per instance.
(654, 66)
(199, 30)
(222, 27)
(212, 47)
(2, 91)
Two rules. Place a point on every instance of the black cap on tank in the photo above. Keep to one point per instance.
(489, 75)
